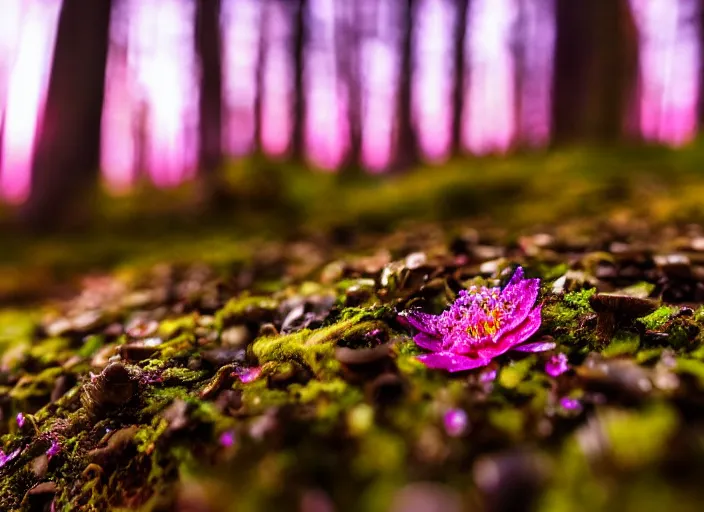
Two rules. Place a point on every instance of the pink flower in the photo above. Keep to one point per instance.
(455, 422)
(20, 419)
(4, 459)
(482, 324)
(227, 438)
(54, 449)
(570, 404)
(557, 365)
(247, 375)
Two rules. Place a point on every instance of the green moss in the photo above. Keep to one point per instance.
(311, 348)
(172, 327)
(693, 367)
(623, 343)
(579, 300)
(509, 421)
(237, 308)
(639, 437)
(180, 346)
(183, 375)
(565, 312)
(51, 350)
(16, 327)
(91, 345)
(35, 387)
(156, 398)
(514, 373)
(658, 318)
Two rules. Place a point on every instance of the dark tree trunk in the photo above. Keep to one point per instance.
(348, 47)
(596, 70)
(299, 107)
(259, 77)
(407, 144)
(208, 45)
(459, 86)
(67, 152)
(520, 71)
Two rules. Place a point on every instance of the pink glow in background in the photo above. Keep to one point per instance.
(27, 55)
(150, 115)
(669, 69)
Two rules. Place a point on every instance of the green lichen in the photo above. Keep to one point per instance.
(638, 438)
(183, 375)
(623, 343)
(313, 348)
(171, 328)
(658, 318)
(566, 311)
(236, 309)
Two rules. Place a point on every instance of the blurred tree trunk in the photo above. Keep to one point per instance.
(596, 70)
(348, 49)
(208, 43)
(519, 54)
(67, 153)
(407, 142)
(459, 86)
(299, 107)
(259, 77)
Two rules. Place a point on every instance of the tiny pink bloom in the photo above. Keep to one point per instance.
(557, 365)
(483, 323)
(54, 449)
(455, 422)
(20, 419)
(247, 375)
(487, 376)
(227, 439)
(570, 404)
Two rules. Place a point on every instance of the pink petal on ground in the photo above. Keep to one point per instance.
(451, 362)
(557, 365)
(428, 342)
(509, 341)
(540, 346)
(249, 374)
(424, 322)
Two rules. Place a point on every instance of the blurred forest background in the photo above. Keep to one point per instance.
(128, 92)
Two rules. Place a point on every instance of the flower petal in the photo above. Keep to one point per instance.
(428, 342)
(509, 341)
(451, 362)
(517, 277)
(424, 322)
(540, 346)
(523, 293)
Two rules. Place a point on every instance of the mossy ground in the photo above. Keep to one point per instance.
(138, 380)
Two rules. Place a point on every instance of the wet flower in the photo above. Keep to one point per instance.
(482, 324)
(227, 438)
(557, 365)
(455, 422)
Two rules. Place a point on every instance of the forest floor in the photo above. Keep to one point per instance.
(166, 360)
